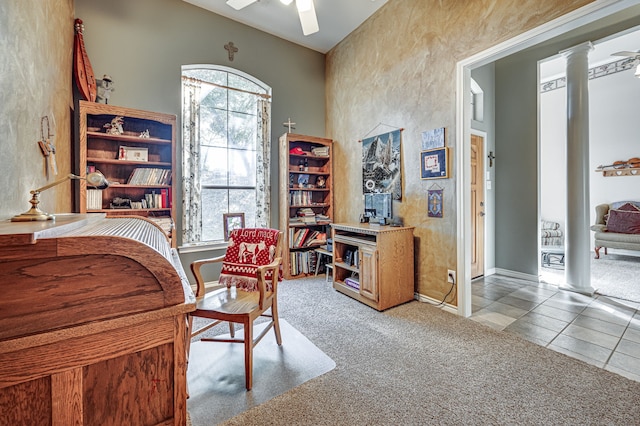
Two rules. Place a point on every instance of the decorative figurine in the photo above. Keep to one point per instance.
(105, 87)
(145, 134)
(115, 127)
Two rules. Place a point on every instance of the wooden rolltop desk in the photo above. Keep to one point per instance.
(92, 323)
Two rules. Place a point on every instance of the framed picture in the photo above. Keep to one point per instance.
(232, 221)
(434, 198)
(133, 154)
(434, 163)
(433, 138)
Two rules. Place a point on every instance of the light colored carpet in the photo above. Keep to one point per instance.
(612, 275)
(216, 373)
(416, 365)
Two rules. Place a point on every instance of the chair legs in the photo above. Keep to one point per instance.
(248, 353)
(276, 322)
(248, 340)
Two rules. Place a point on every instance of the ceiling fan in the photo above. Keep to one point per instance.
(306, 12)
(634, 55)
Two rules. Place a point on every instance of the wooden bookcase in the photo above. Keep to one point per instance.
(374, 263)
(302, 190)
(102, 151)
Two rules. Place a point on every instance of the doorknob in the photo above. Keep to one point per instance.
(482, 213)
(481, 203)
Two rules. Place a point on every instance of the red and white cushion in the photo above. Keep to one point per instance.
(248, 249)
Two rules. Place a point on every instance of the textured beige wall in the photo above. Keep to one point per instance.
(398, 69)
(36, 51)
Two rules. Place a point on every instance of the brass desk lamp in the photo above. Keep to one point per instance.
(94, 179)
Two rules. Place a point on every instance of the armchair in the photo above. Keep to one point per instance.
(249, 276)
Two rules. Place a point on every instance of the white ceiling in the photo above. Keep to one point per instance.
(336, 18)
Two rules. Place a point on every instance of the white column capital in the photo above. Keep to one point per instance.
(585, 47)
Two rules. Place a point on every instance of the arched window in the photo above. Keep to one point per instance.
(226, 148)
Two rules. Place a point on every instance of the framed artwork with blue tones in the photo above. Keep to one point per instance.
(434, 163)
(434, 198)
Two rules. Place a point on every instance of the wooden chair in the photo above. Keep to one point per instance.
(250, 275)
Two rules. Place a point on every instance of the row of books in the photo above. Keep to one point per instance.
(154, 200)
(94, 199)
(150, 176)
(351, 257)
(302, 198)
(305, 237)
(166, 223)
(303, 262)
(308, 216)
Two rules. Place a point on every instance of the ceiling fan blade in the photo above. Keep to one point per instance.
(626, 53)
(239, 4)
(307, 14)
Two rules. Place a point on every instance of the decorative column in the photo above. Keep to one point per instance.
(577, 240)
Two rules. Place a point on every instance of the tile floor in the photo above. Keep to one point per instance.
(599, 330)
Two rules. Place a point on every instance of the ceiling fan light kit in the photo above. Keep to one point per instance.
(306, 12)
(634, 55)
(304, 5)
(239, 4)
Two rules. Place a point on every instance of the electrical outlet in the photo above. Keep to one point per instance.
(451, 276)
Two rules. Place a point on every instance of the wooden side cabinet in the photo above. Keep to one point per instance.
(373, 263)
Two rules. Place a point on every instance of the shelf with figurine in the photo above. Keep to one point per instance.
(135, 151)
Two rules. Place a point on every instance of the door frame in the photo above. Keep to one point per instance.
(587, 14)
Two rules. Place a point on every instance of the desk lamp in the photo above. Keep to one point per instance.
(94, 179)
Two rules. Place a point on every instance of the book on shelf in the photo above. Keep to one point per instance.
(166, 223)
(154, 200)
(149, 176)
(300, 236)
(352, 282)
(94, 199)
(317, 238)
(302, 262)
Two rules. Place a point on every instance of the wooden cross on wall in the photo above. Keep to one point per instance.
(231, 49)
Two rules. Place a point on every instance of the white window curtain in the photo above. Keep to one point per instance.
(263, 165)
(191, 202)
(191, 211)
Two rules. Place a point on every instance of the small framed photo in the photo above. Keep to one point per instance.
(232, 221)
(133, 154)
(434, 163)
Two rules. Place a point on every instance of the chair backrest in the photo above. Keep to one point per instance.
(248, 249)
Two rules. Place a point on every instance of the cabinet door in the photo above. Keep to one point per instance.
(369, 272)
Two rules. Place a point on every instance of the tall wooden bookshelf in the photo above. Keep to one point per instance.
(138, 161)
(306, 202)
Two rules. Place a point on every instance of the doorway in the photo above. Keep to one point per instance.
(588, 14)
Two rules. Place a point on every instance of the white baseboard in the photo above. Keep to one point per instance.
(430, 300)
(515, 274)
(490, 271)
